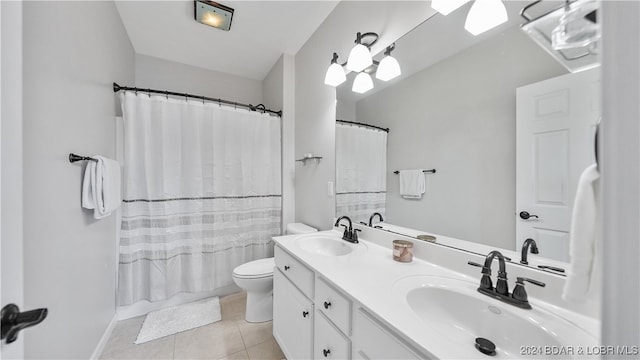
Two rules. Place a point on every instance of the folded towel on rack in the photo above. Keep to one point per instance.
(412, 183)
(584, 244)
(101, 187)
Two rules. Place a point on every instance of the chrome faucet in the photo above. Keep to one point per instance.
(349, 234)
(519, 297)
(526, 245)
(373, 216)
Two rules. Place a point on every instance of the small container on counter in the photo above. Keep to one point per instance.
(429, 238)
(402, 251)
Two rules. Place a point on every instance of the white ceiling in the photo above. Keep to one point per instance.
(261, 31)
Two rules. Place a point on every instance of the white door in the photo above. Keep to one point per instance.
(555, 127)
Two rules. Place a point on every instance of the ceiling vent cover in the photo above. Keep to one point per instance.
(213, 14)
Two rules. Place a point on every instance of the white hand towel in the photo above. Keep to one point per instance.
(412, 184)
(582, 275)
(101, 187)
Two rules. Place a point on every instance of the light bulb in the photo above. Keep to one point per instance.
(335, 75)
(362, 83)
(485, 15)
(359, 58)
(445, 7)
(388, 68)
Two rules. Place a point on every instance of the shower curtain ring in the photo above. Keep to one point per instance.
(219, 103)
(166, 94)
(203, 100)
(149, 92)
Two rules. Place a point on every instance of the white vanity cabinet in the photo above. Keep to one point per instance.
(314, 319)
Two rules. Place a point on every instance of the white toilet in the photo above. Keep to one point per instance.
(256, 278)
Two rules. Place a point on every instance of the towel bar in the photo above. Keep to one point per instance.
(73, 158)
(432, 171)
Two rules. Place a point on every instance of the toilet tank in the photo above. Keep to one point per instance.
(299, 228)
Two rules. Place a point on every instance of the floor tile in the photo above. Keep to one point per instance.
(233, 306)
(209, 342)
(240, 355)
(255, 333)
(230, 339)
(157, 349)
(268, 350)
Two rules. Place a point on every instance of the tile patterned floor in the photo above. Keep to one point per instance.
(230, 338)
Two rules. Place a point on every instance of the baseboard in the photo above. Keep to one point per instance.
(105, 338)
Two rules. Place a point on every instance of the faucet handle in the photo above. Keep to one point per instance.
(520, 280)
(475, 264)
(354, 236)
(519, 293)
(364, 223)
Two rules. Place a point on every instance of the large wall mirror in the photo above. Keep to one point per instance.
(507, 127)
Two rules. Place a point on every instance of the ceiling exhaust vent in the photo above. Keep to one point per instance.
(577, 25)
(213, 14)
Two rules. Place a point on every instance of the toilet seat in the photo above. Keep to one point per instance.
(256, 269)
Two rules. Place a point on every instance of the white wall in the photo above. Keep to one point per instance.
(279, 94)
(73, 51)
(168, 75)
(316, 102)
(346, 110)
(620, 162)
(458, 116)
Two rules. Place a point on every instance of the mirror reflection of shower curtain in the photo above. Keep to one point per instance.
(202, 194)
(361, 166)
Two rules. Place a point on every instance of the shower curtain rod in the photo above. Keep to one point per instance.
(361, 124)
(259, 107)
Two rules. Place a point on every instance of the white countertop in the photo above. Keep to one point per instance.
(368, 276)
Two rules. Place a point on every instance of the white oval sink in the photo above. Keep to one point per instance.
(461, 314)
(326, 245)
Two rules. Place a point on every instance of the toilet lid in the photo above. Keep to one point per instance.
(256, 268)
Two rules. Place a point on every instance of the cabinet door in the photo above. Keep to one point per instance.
(292, 319)
(329, 343)
(371, 340)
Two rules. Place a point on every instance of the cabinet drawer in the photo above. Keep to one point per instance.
(300, 275)
(372, 340)
(334, 305)
(328, 342)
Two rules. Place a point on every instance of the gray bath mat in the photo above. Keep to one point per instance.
(175, 319)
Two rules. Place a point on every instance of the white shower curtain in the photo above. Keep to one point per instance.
(202, 194)
(361, 166)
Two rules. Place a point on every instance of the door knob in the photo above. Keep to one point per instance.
(13, 320)
(525, 215)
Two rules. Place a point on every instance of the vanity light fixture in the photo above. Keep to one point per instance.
(360, 56)
(485, 15)
(445, 7)
(335, 73)
(213, 14)
(362, 83)
(388, 67)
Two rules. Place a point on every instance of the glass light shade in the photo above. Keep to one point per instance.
(445, 7)
(485, 15)
(359, 58)
(362, 83)
(574, 30)
(335, 75)
(388, 68)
